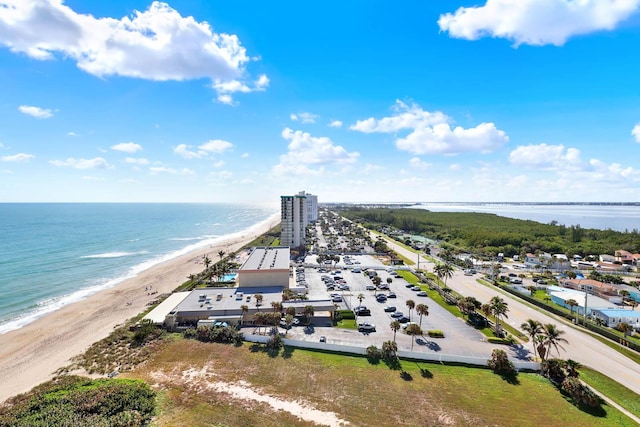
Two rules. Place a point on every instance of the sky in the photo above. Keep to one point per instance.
(358, 101)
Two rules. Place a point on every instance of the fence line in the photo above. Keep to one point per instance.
(404, 354)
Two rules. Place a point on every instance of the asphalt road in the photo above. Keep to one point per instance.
(581, 346)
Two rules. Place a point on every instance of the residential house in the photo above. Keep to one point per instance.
(613, 317)
(624, 257)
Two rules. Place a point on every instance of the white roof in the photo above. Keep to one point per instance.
(158, 314)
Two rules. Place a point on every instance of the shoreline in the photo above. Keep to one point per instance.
(31, 354)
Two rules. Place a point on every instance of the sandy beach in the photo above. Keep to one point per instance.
(31, 354)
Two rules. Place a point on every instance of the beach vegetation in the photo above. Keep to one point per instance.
(78, 401)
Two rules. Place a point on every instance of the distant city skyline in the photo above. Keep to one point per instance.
(362, 101)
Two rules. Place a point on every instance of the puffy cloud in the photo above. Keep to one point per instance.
(95, 163)
(155, 44)
(304, 117)
(536, 22)
(134, 161)
(213, 146)
(636, 132)
(72, 133)
(335, 124)
(30, 110)
(545, 156)
(217, 146)
(127, 147)
(20, 157)
(430, 133)
(226, 88)
(306, 150)
(405, 117)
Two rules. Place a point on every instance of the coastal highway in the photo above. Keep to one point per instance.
(581, 347)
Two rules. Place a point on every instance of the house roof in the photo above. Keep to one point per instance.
(612, 312)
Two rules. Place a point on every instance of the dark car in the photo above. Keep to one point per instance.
(391, 295)
(403, 319)
(390, 309)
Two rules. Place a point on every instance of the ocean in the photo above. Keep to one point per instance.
(618, 217)
(53, 254)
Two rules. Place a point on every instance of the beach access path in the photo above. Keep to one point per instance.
(30, 355)
(582, 347)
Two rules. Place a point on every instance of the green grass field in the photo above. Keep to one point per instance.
(418, 394)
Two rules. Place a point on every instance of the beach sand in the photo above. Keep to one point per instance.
(30, 355)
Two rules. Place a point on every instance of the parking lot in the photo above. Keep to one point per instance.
(459, 338)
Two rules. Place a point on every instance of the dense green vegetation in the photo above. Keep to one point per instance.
(79, 401)
(489, 234)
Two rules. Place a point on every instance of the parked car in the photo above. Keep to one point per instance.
(370, 288)
(390, 308)
(391, 295)
(397, 314)
(416, 288)
(362, 311)
(337, 299)
(422, 294)
(403, 319)
(381, 298)
(366, 327)
(323, 339)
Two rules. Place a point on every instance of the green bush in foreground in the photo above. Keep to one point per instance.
(79, 401)
(435, 333)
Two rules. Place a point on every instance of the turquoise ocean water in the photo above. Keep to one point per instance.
(55, 254)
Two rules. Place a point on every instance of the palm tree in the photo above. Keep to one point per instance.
(413, 330)
(309, 311)
(572, 367)
(533, 328)
(291, 311)
(572, 303)
(553, 338)
(389, 350)
(422, 310)
(395, 327)
(360, 298)
(277, 306)
(625, 328)
(221, 254)
(444, 271)
(410, 305)
(389, 280)
(259, 298)
(207, 262)
(244, 309)
(498, 309)
(288, 320)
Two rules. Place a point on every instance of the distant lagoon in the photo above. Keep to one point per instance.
(619, 217)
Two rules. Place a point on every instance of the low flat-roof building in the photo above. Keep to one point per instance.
(613, 317)
(226, 305)
(266, 267)
(560, 296)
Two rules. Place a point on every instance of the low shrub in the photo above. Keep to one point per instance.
(500, 363)
(345, 315)
(497, 340)
(374, 354)
(435, 333)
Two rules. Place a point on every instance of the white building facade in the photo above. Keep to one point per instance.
(293, 217)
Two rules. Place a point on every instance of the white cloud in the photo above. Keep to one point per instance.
(217, 146)
(183, 151)
(155, 44)
(227, 87)
(536, 22)
(244, 155)
(335, 124)
(134, 161)
(127, 147)
(213, 146)
(20, 157)
(306, 150)
(72, 133)
(95, 163)
(430, 133)
(171, 171)
(545, 156)
(219, 164)
(455, 167)
(415, 162)
(304, 117)
(636, 132)
(405, 117)
(30, 110)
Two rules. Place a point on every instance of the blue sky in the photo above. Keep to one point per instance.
(359, 101)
